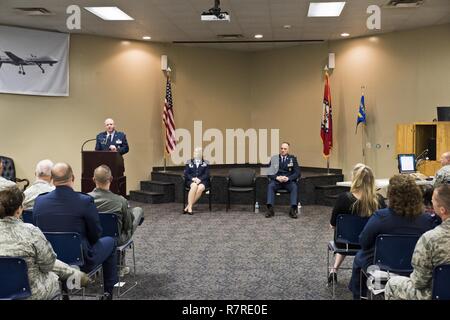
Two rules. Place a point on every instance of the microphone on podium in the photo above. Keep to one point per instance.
(82, 146)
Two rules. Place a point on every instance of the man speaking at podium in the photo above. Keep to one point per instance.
(111, 139)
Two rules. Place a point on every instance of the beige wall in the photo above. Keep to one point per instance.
(123, 80)
(406, 75)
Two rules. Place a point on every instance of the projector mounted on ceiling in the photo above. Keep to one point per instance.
(215, 14)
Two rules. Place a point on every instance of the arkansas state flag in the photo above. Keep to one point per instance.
(326, 130)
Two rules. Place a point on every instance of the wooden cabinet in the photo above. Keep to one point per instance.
(420, 136)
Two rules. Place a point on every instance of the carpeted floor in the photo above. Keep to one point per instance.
(233, 255)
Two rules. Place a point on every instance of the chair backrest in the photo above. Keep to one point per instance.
(9, 170)
(348, 228)
(242, 177)
(14, 283)
(27, 216)
(441, 282)
(394, 252)
(109, 223)
(67, 246)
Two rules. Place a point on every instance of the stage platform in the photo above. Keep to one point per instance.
(315, 186)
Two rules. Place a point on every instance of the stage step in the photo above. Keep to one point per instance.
(326, 195)
(166, 188)
(147, 196)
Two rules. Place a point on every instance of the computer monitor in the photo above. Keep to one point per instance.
(407, 163)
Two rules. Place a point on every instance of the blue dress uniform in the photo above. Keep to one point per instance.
(201, 172)
(64, 210)
(289, 168)
(119, 139)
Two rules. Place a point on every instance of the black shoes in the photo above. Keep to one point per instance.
(106, 296)
(332, 277)
(270, 213)
(293, 213)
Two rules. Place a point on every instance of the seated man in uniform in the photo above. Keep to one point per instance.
(443, 174)
(64, 210)
(108, 202)
(287, 173)
(43, 183)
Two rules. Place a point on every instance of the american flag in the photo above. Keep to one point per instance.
(326, 128)
(169, 120)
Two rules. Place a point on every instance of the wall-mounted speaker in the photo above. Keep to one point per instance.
(331, 61)
(164, 65)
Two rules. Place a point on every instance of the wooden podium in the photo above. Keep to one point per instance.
(419, 136)
(114, 160)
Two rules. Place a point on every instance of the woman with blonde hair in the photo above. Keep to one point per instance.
(196, 178)
(362, 200)
(405, 215)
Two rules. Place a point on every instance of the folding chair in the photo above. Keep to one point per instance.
(68, 248)
(109, 223)
(441, 282)
(14, 279)
(393, 254)
(241, 180)
(348, 229)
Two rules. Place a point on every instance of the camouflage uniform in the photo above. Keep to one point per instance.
(108, 202)
(432, 249)
(24, 240)
(4, 183)
(442, 176)
(37, 188)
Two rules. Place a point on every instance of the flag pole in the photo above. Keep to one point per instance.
(167, 74)
(329, 154)
(363, 130)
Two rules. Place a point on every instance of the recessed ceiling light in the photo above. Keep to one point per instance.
(287, 26)
(345, 34)
(109, 13)
(325, 9)
(146, 37)
(258, 36)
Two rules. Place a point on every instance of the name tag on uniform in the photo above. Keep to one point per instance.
(118, 141)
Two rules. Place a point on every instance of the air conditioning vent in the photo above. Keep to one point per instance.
(33, 11)
(404, 4)
(230, 36)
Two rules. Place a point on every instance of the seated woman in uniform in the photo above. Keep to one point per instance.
(361, 200)
(19, 239)
(196, 178)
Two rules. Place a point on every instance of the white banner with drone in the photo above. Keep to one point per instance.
(34, 62)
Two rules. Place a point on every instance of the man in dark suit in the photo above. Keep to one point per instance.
(286, 172)
(111, 139)
(64, 210)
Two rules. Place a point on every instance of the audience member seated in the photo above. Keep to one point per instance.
(42, 184)
(432, 249)
(443, 174)
(64, 210)
(4, 183)
(427, 191)
(405, 215)
(24, 240)
(362, 200)
(108, 202)
(196, 178)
